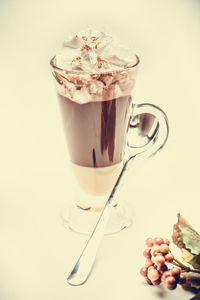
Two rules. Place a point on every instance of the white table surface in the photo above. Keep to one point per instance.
(36, 250)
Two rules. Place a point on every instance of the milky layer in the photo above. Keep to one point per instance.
(92, 67)
(97, 181)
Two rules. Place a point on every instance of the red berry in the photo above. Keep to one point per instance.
(158, 241)
(170, 280)
(148, 263)
(163, 268)
(171, 286)
(165, 275)
(175, 272)
(147, 253)
(149, 242)
(148, 281)
(166, 241)
(164, 248)
(163, 278)
(143, 271)
(153, 275)
(169, 257)
(159, 260)
(152, 268)
(157, 282)
(155, 249)
(182, 279)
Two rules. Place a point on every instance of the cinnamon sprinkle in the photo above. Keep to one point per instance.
(101, 62)
(94, 38)
(96, 46)
(86, 47)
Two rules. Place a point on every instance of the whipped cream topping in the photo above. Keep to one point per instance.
(93, 67)
(94, 52)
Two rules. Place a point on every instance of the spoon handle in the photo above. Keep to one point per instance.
(83, 266)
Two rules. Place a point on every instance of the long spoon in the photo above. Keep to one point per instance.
(158, 124)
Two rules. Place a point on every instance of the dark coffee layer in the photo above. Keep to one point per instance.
(96, 131)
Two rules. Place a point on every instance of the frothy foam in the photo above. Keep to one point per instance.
(94, 51)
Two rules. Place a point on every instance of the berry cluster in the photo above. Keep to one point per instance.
(156, 270)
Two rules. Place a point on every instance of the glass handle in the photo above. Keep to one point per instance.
(149, 130)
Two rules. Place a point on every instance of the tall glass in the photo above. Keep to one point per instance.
(97, 109)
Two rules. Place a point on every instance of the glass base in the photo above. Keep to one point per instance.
(84, 220)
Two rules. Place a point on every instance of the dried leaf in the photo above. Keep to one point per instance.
(184, 236)
(190, 258)
(176, 236)
(195, 284)
(196, 297)
(193, 279)
(187, 255)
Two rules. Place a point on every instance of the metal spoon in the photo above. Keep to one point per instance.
(146, 130)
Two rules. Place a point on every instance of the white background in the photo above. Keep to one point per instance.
(36, 250)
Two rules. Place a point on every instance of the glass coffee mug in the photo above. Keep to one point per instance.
(103, 129)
